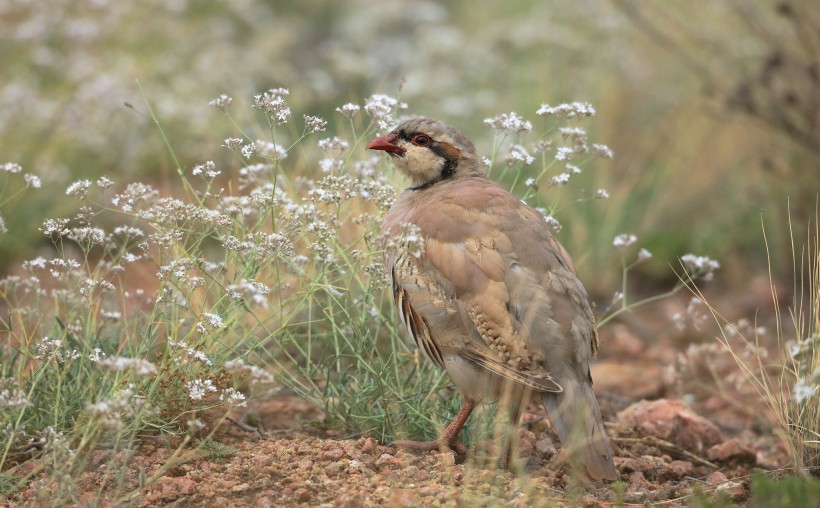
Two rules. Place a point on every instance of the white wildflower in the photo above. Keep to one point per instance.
(123, 403)
(87, 236)
(519, 154)
(270, 150)
(803, 391)
(104, 182)
(508, 122)
(624, 241)
(32, 265)
(531, 183)
(564, 153)
(233, 143)
(349, 110)
(334, 146)
(78, 189)
(53, 348)
(567, 110)
(120, 363)
(209, 322)
(195, 425)
(314, 124)
(553, 223)
(694, 315)
(601, 151)
(560, 180)
(207, 171)
(222, 102)
(199, 388)
(11, 167)
(644, 255)
(248, 150)
(193, 353)
(701, 267)
(233, 397)
(32, 181)
(273, 103)
(3, 228)
(381, 107)
(11, 396)
(601, 194)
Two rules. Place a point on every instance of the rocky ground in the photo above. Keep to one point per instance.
(666, 452)
(677, 437)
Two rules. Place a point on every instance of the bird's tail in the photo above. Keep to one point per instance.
(576, 418)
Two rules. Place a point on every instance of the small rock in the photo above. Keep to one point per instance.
(732, 450)
(304, 464)
(302, 495)
(735, 490)
(447, 459)
(676, 470)
(627, 464)
(406, 457)
(334, 454)
(672, 421)
(715, 478)
(267, 499)
(369, 445)
(403, 497)
(173, 488)
(387, 460)
(348, 501)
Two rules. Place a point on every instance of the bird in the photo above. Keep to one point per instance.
(493, 298)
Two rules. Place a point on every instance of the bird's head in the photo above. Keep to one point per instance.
(429, 151)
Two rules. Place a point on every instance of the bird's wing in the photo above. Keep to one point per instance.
(485, 254)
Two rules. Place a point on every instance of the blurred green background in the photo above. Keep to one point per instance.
(711, 108)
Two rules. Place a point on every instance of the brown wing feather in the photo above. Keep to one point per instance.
(540, 380)
(415, 323)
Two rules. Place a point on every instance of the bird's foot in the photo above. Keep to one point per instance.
(458, 448)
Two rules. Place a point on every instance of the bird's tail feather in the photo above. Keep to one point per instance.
(576, 418)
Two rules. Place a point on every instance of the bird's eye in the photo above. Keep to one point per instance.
(421, 140)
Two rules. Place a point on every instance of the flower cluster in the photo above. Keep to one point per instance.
(274, 104)
(508, 123)
(699, 267)
(380, 108)
(125, 403)
(567, 110)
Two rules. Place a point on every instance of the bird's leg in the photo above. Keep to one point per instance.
(509, 432)
(448, 439)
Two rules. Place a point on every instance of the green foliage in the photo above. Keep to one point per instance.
(215, 451)
(788, 492)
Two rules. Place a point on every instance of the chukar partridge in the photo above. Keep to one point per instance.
(494, 299)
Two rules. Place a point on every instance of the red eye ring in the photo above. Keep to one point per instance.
(421, 140)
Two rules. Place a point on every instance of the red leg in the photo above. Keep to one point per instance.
(448, 439)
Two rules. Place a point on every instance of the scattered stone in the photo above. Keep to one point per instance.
(732, 451)
(302, 495)
(389, 461)
(676, 470)
(369, 445)
(171, 488)
(334, 454)
(403, 498)
(672, 421)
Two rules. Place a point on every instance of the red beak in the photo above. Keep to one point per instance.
(386, 143)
